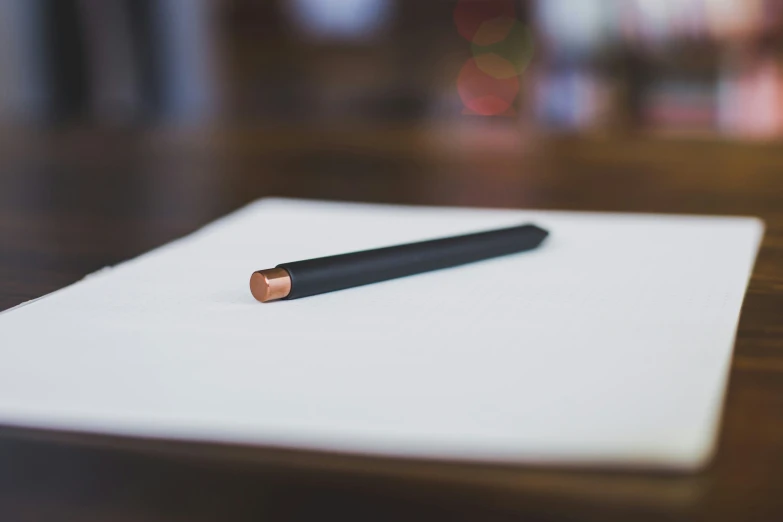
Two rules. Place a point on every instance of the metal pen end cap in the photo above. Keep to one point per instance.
(270, 284)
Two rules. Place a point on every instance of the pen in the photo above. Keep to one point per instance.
(327, 274)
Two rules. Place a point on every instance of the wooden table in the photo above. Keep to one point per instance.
(73, 202)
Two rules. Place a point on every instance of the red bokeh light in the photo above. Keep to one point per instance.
(483, 94)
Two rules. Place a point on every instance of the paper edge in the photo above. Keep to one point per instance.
(710, 445)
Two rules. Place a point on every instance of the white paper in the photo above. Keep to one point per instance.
(610, 344)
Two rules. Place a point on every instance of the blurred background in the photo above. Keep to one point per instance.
(694, 68)
(127, 123)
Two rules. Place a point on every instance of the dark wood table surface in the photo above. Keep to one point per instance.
(73, 202)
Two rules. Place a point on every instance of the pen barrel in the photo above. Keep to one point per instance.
(327, 274)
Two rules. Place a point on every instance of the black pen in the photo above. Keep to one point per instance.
(327, 274)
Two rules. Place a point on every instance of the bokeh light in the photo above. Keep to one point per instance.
(495, 66)
(484, 94)
(343, 20)
(516, 49)
(484, 23)
(501, 47)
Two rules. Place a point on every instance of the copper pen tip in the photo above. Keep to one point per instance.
(270, 284)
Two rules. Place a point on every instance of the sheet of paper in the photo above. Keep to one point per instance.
(608, 345)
